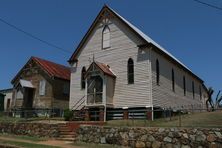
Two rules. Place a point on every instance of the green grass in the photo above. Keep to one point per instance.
(92, 145)
(204, 119)
(5, 119)
(21, 137)
(26, 145)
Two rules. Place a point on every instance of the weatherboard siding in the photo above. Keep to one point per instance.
(123, 46)
(164, 96)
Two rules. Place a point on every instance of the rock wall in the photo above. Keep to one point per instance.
(30, 129)
(152, 137)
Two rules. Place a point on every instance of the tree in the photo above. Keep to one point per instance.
(218, 100)
(210, 100)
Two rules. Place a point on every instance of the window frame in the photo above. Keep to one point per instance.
(184, 86)
(130, 67)
(193, 89)
(200, 89)
(173, 79)
(83, 81)
(42, 87)
(157, 72)
(103, 33)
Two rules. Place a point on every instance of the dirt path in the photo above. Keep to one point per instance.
(51, 142)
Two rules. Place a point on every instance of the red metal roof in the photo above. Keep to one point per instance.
(106, 69)
(54, 69)
(103, 67)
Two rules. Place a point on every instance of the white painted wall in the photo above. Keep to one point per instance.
(123, 45)
(164, 96)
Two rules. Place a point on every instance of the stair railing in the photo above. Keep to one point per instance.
(76, 104)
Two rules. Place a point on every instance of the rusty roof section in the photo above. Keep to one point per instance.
(103, 67)
(106, 69)
(54, 69)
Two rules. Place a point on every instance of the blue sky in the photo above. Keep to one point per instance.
(189, 30)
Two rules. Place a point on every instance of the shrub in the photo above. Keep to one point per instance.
(68, 114)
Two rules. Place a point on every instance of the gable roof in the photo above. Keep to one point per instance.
(104, 68)
(52, 69)
(143, 36)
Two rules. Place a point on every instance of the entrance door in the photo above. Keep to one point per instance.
(8, 104)
(94, 90)
(28, 97)
(2, 102)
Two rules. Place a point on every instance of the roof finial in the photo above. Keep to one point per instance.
(93, 58)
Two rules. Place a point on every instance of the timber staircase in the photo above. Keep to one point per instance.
(79, 110)
(66, 133)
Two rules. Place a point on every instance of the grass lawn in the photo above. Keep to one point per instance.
(25, 144)
(21, 137)
(204, 119)
(5, 119)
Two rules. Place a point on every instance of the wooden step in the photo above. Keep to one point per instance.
(66, 139)
(67, 136)
(66, 133)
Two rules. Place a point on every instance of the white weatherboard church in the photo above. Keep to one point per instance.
(117, 66)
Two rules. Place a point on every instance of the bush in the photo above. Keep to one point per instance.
(68, 114)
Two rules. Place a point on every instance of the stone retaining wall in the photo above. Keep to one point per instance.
(152, 137)
(30, 129)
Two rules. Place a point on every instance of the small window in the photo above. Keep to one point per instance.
(130, 71)
(200, 89)
(184, 86)
(173, 81)
(66, 89)
(83, 84)
(42, 85)
(193, 89)
(157, 72)
(106, 37)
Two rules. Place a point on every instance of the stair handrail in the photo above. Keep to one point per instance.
(78, 102)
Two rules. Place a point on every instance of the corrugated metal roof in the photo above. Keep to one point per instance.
(54, 69)
(103, 67)
(148, 39)
(25, 83)
(106, 69)
(143, 36)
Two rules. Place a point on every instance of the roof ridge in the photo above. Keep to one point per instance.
(34, 57)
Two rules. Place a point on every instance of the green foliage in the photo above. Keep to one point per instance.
(68, 114)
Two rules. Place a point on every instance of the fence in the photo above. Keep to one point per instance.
(129, 117)
(32, 114)
(162, 117)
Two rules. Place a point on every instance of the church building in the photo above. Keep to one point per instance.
(117, 66)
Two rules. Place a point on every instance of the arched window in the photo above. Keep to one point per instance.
(184, 86)
(200, 89)
(173, 81)
(106, 37)
(193, 89)
(157, 72)
(130, 71)
(83, 84)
